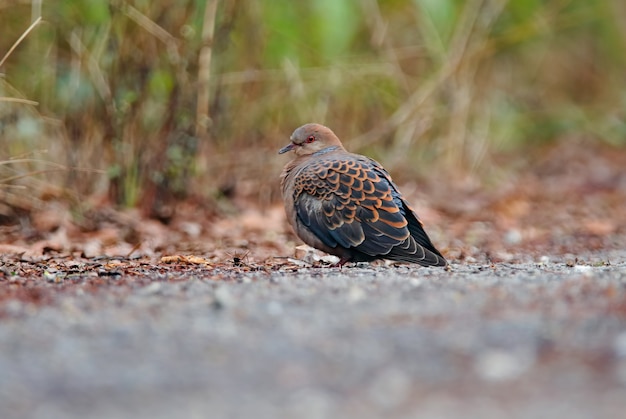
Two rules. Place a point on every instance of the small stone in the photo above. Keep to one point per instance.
(416, 282)
(513, 236)
(356, 294)
(330, 259)
(222, 298)
(53, 276)
(619, 345)
(152, 288)
(497, 365)
(307, 254)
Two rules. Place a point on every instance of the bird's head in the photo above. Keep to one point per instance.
(311, 138)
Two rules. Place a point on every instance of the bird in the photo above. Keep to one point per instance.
(347, 205)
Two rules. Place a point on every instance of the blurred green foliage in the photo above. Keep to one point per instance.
(415, 83)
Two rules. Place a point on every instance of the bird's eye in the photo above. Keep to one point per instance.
(310, 139)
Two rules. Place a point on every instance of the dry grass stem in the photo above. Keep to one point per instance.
(149, 25)
(165, 95)
(20, 39)
(203, 117)
(97, 75)
(18, 100)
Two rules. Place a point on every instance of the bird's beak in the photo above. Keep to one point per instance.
(286, 148)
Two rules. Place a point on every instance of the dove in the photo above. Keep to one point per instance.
(346, 204)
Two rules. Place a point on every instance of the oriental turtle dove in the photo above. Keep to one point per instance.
(347, 205)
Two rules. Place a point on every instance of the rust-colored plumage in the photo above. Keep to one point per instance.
(347, 205)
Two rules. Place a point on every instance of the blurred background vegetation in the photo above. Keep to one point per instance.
(147, 103)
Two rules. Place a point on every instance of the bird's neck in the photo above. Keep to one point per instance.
(326, 150)
(302, 160)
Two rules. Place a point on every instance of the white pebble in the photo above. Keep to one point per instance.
(497, 365)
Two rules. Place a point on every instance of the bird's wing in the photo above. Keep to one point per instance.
(418, 248)
(352, 203)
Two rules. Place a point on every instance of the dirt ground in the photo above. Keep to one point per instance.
(481, 341)
(113, 315)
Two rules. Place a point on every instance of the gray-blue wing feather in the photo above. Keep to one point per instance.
(351, 202)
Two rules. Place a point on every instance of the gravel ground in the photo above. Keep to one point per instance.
(483, 341)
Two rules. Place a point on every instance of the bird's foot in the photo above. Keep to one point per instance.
(341, 262)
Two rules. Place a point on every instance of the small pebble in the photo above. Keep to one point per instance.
(152, 288)
(513, 236)
(356, 294)
(416, 282)
(619, 345)
(497, 365)
(223, 298)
